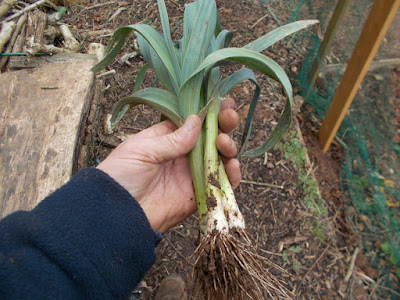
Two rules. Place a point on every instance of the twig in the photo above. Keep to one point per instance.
(177, 251)
(96, 6)
(376, 284)
(258, 21)
(28, 8)
(271, 253)
(273, 16)
(175, 3)
(263, 184)
(352, 264)
(6, 33)
(314, 264)
(117, 13)
(112, 72)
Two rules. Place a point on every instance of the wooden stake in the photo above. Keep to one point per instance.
(378, 22)
(330, 34)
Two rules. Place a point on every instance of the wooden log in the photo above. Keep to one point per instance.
(41, 129)
(37, 21)
(376, 26)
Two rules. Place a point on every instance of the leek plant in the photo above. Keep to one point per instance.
(226, 266)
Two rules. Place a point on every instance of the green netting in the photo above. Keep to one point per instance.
(370, 174)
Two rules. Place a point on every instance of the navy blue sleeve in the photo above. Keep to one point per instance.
(88, 240)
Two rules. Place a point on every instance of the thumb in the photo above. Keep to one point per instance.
(178, 143)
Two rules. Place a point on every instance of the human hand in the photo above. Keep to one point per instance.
(154, 168)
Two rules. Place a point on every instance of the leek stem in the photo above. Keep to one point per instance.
(211, 152)
(215, 198)
(197, 170)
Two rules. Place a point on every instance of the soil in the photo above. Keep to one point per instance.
(277, 218)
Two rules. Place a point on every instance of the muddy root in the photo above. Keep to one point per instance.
(227, 267)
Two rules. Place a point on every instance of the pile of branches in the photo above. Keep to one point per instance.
(30, 27)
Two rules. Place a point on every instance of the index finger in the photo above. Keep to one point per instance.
(228, 103)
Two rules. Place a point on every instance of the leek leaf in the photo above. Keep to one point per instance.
(202, 32)
(189, 19)
(276, 135)
(230, 82)
(157, 65)
(224, 38)
(140, 77)
(152, 36)
(167, 36)
(278, 34)
(264, 65)
(161, 100)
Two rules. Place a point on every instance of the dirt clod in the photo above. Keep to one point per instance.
(213, 180)
(211, 202)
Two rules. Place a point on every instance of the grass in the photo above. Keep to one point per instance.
(295, 152)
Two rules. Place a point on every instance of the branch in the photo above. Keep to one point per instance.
(5, 34)
(352, 264)
(47, 49)
(28, 8)
(69, 41)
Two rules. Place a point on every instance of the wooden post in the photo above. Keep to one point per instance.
(379, 19)
(328, 38)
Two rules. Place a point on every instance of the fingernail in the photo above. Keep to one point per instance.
(189, 124)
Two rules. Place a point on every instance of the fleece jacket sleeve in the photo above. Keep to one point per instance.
(88, 240)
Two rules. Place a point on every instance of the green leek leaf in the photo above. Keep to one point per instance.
(154, 39)
(157, 65)
(161, 100)
(278, 34)
(140, 77)
(189, 19)
(196, 47)
(264, 65)
(167, 36)
(224, 38)
(230, 82)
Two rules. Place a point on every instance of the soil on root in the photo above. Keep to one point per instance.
(227, 267)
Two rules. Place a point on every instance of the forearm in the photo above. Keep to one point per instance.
(89, 239)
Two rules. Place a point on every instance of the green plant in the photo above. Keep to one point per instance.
(295, 152)
(189, 71)
(295, 262)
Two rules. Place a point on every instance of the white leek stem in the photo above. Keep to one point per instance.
(231, 209)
